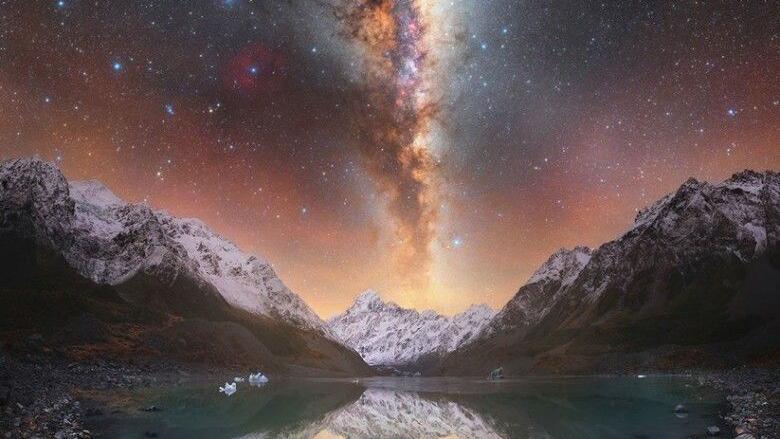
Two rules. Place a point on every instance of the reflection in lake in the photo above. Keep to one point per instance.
(390, 413)
(592, 407)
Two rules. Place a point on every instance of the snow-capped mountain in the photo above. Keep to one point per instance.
(400, 414)
(696, 266)
(389, 413)
(534, 300)
(667, 253)
(110, 241)
(385, 334)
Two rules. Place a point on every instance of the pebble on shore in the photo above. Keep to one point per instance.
(754, 396)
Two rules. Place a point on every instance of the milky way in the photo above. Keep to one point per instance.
(395, 126)
(435, 151)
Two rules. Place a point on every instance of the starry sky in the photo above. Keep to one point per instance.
(435, 151)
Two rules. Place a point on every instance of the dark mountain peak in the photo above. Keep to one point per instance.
(691, 270)
(735, 199)
(31, 176)
(35, 200)
(79, 248)
(34, 162)
(691, 182)
(112, 242)
(751, 176)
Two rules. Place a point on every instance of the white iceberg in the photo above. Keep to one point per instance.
(229, 389)
(257, 379)
(238, 379)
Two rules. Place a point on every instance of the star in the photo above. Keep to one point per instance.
(406, 122)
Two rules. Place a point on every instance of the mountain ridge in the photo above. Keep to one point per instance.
(113, 240)
(143, 282)
(696, 268)
(385, 334)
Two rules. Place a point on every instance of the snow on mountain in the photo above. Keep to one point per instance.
(110, 241)
(383, 333)
(389, 413)
(564, 266)
(534, 300)
(703, 250)
(467, 325)
(737, 217)
(745, 202)
(679, 225)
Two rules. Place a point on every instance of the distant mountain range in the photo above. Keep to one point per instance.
(385, 334)
(152, 260)
(695, 281)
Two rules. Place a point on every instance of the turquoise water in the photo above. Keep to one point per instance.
(568, 407)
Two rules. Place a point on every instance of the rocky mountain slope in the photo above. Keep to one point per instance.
(542, 290)
(696, 280)
(81, 234)
(385, 334)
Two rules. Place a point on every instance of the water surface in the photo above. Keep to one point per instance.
(560, 407)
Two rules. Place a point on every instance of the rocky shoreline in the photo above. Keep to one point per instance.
(754, 395)
(44, 397)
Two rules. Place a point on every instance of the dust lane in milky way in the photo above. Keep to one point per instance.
(395, 128)
(436, 151)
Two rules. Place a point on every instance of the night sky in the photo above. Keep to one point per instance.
(436, 151)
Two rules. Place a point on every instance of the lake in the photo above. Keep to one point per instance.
(559, 407)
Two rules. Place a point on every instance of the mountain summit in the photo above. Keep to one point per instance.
(110, 241)
(386, 334)
(543, 288)
(145, 282)
(698, 271)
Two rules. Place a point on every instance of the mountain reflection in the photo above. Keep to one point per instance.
(380, 413)
(431, 408)
(389, 413)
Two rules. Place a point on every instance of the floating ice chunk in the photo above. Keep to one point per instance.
(641, 376)
(257, 379)
(229, 389)
(238, 379)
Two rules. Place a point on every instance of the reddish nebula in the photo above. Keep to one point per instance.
(255, 70)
